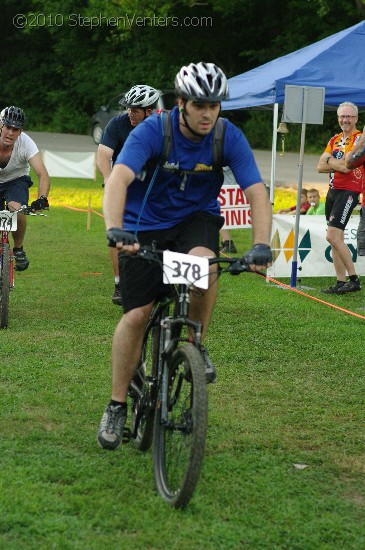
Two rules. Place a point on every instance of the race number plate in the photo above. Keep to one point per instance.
(8, 220)
(186, 269)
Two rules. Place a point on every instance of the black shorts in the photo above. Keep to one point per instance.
(339, 206)
(141, 281)
(16, 190)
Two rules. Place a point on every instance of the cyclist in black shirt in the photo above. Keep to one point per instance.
(140, 101)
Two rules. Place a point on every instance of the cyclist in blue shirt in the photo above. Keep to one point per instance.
(140, 101)
(180, 211)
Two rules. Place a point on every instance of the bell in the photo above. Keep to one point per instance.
(283, 129)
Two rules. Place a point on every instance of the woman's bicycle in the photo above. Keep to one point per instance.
(8, 222)
(169, 398)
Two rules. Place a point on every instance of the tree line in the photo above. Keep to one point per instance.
(62, 60)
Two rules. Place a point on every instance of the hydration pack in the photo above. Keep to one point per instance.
(218, 138)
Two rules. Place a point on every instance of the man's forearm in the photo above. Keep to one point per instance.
(104, 161)
(43, 185)
(356, 157)
(115, 195)
(113, 205)
(104, 167)
(261, 213)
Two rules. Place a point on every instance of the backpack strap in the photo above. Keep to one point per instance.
(218, 139)
(167, 135)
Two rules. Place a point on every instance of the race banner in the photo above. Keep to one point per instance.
(314, 255)
(61, 164)
(234, 207)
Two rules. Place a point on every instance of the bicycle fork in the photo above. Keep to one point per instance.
(169, 343)
(5, 241)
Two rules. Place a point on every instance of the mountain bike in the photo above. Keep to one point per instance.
(169, 398)
(8, 222)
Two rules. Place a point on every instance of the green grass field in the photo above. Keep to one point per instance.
(284, 465)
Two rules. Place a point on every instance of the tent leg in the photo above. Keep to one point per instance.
(273, 151)
(299, 192)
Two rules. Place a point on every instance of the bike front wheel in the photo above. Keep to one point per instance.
(4, 285)
(180, 427)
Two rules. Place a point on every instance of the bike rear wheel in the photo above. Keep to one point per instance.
(179, 439)
(4, 285)
(143, 390)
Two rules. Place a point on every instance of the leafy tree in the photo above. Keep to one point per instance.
(73, 55)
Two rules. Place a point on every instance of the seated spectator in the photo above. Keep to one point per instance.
(317, 207)
(304, 205)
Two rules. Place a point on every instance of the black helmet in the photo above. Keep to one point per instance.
(13, 116)
(201, 82)
(142, 96)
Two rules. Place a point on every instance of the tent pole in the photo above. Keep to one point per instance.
(293, 279)
(273, 151)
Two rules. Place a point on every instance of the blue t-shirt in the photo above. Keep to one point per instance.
(115, 134)
(173, 196)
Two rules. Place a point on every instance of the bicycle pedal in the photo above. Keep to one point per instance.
(127, 435)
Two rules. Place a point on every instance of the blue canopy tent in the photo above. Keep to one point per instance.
(335, 63)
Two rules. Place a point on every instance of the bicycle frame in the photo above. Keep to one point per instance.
(6, 266)
(5, 241)
(169, 339)
(8, 223)
(169, 392)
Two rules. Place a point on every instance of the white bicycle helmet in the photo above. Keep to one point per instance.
(140, 96)
(201, 82)
(13, 116)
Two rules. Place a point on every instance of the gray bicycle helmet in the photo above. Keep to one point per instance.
(140, 96)
(13, 116)
(201, 82)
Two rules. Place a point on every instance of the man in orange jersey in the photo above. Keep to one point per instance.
(345, 186)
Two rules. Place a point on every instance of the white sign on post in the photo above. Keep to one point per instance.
(294, 108)
(303, 104)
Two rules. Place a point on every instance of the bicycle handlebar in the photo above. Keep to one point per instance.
(235, 265)
(27, 210)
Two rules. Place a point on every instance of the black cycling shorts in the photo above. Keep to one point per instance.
(141, 281)
(339, 206)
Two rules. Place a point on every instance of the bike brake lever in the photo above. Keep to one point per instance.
(238, 267)
(147, 254)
